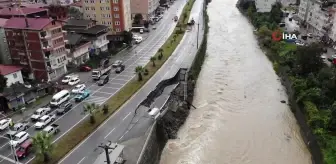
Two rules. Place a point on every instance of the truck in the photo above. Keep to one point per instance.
(104, 69)
(51, 129)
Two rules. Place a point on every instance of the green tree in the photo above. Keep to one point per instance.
(105, 109)
(42, 143)
(91, 108)
(3, 82)
(128, 37)
(160, 56)
(152, 59)
(309, 59)
(139, 69)
(276, 13)
(75, 13)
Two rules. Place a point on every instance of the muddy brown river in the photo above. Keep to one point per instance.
(239, 117)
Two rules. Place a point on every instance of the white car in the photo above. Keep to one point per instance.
(39, 113)
(74, 81)
(138, 40)
(19, 138)
(4, 124)
(66, 79)
(141, 31)
(78, 88)
(117, 63)
(44, 121)
(136, 36)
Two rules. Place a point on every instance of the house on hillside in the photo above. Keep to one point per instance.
(12, 73)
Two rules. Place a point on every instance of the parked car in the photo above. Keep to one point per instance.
(85, 68)
(82, 95)
(19, 138)
(141, 31)
(138, 40)
(74, 81)
(4, 124)
(25, 149)
(64, 108)
(120, 69)
(154, 27)
(66, 79)
(51, 129)
(104, 79)
(78, 88)
(117, 63)
(39, 113)
(18, 127)
(44, 121)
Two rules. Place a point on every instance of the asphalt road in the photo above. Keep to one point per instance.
(128, 122)
(138, 56)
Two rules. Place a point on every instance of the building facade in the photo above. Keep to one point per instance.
(38, 45)
(10, 12)
(77, 48)
(145, 7)
(12, 73)
(5, 57)
(113, 13)
(263, 6)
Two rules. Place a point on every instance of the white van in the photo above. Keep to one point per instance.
(60, 98)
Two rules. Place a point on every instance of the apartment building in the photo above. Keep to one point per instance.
(7, 13)
(145, 7)
(263, 6)
(113, 13)
(37, 44)
(4, 52)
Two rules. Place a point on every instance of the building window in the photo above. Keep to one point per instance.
(107, 8)
(86, 1)
(118, 29)
(93, 8)
(109, 23)
(14, 75)
(92, 1)
(117, 22)
(103, 15)
(87, 8)
(101, 8)
(88, 16)
(108, 15)
(116, 8)
(93, 15)
(115, 1)
(103, 22)
(116, 15)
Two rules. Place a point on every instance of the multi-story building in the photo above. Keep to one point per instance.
(113, 13)
(23, 12)
(38, 45)
(263, 6)
(4, 52)
(96, 34)
(78, 48)
(145, 7)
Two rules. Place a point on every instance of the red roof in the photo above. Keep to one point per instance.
(20, 11)
(3, 22)
(77, 4)
(8, 69)
(33, 23)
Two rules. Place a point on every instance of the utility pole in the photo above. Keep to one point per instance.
(106, 149)
(197, 33)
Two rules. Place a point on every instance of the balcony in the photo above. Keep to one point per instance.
(46, 48)
(45, 35)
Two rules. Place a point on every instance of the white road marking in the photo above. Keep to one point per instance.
(115, 84)
(127, 116)
(9, 159)
(109, 133)
(111, 87)
(122, 80)
(4, 145)
(81, 160)
(123, 135)
(104, 92)
(126, 76)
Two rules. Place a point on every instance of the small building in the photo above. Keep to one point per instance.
(78, 48)
(12, 73)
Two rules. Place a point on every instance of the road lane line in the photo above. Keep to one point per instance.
(109, 133)
(123, 135)
(104, 92)
(9, 159)
(126, 75)
(4, 145)
(81, 160)
(111, 87)
(127, 116)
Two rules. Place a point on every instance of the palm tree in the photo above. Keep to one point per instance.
(42, 143)
(91, 109)
(161, 54)
(152, 59)
(139, 70)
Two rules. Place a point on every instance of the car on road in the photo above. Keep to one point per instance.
(78, 88)
(25, 149)
(39, 113)
(64, 108)
(138, 40)
(120, 69)
(104, 79)
(74, 81)
(67, 78)
(117, 63)
(51, 129)
(154, 27)
(323, 57)
(18, 127)
(85, 68)
(141, 31)
(19, 138)
(82, 95)
(44, 121)
(4, 123)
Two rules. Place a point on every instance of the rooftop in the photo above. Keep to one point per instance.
(73, 38)
(8, 69)
(33, 23)
(3, 22)
(78, 22)
(34, 5)
(20, 11)
(95, 29)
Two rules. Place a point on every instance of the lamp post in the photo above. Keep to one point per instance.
(197, 34)
(12, 147)
(106, 149)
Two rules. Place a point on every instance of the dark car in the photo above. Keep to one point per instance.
(24, 149)
(120, 69)
(64, 108)
(103, 80)
(85, 68)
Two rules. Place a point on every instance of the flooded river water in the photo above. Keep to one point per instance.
(239, 117)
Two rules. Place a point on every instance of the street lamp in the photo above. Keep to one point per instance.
(12, 147)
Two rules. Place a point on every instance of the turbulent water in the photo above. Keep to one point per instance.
(239, 117)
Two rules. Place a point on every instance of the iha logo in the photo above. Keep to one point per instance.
(278, 36)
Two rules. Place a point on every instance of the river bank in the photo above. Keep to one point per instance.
(314, 115)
